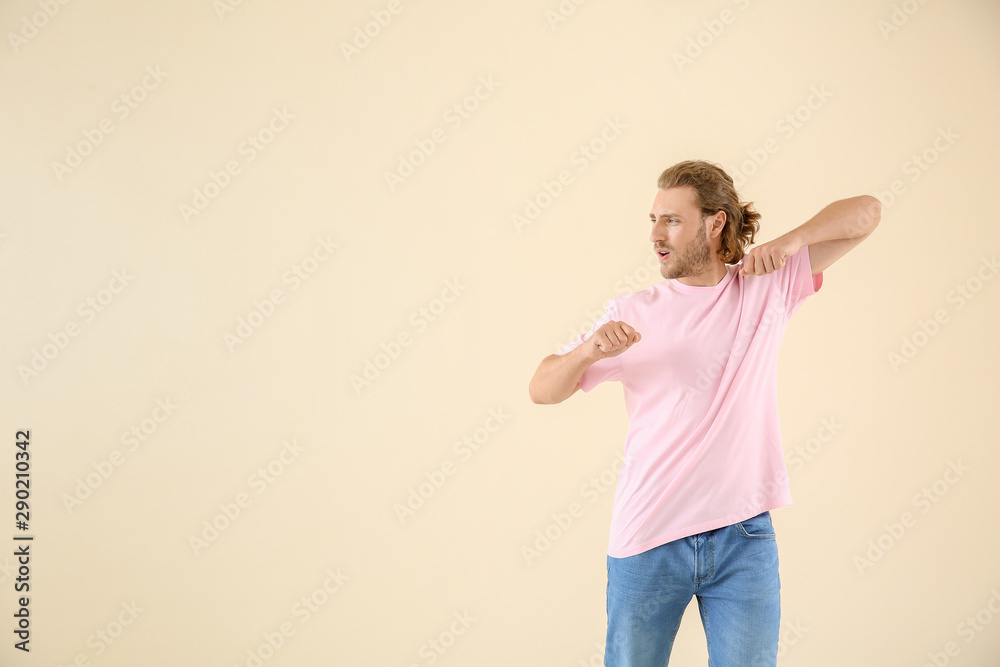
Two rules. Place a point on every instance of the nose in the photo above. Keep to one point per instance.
(656, 234)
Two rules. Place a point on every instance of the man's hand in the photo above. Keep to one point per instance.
(612, 339)
(768, 257)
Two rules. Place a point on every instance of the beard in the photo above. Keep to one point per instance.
(693, 259)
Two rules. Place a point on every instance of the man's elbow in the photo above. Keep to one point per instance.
(871, 213)
(534, 392)
(547, 399)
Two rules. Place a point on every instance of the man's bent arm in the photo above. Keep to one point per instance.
(834, 231)
(558, 376)
(843, 219)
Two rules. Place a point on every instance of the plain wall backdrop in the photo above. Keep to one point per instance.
(275, 277)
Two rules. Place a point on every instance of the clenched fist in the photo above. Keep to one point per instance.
(612, 338)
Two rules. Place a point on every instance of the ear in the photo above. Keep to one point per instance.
(718, 223)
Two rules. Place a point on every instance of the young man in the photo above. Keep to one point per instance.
(696, 354)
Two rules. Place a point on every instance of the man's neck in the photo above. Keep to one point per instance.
(709, 278)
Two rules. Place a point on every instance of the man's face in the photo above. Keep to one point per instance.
(680, 229)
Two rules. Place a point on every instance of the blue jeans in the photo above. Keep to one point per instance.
(733, 572)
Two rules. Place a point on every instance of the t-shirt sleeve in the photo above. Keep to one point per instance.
(796, 281)
(609, 368)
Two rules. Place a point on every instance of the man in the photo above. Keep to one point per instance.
(696, 354)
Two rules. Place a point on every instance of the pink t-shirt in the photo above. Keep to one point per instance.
(703, 448)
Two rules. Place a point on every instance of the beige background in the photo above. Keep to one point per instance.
(523, 292)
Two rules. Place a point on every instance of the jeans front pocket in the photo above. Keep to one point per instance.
(758, 527)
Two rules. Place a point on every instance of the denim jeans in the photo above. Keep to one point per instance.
(732, 571)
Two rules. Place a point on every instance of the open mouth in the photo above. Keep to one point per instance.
(663, 254)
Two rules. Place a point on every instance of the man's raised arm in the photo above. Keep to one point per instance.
(558, 376)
